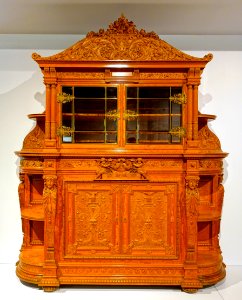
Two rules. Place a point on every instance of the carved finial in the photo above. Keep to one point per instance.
(123, 26)
(35, 56)
(208, 57)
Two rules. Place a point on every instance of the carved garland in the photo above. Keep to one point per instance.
(120, 167)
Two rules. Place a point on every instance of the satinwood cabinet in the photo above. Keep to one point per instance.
(121, 178)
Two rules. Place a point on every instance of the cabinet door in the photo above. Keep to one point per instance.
(153, 115)
(89, 114)
(129, 219)
(153, 220)
(91, 219)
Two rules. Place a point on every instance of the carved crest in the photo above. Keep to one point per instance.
(121, 41)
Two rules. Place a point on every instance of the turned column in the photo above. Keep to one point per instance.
(47, 112)
(189, 112)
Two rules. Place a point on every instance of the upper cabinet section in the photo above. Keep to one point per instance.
(121, 114)
(121, 88)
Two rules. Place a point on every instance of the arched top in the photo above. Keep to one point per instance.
(121, 41)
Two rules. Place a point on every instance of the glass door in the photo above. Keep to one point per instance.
(89, 114)
(153, 115)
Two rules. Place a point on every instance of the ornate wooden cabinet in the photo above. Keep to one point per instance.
(121, 178)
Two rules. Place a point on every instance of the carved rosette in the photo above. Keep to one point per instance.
(120, 168)
(122, 41)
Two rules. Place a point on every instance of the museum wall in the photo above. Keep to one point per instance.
(22, 92)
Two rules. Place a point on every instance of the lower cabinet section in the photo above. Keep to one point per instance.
(122, 232)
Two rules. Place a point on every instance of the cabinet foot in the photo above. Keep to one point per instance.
(190, 290)
(50, 288)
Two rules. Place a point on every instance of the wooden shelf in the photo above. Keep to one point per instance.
(36, 212)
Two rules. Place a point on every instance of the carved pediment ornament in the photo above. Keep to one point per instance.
(121, 41)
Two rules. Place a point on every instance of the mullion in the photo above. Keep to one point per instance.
(137, 119)
(105, 118)
(170, 121)
(73, 115)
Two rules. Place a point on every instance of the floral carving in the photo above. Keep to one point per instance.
(27, 163)
(122, 41)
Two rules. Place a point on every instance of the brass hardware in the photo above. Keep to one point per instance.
(112, 115)
(178, 98)
(130, 115)
(64, 131)
(64, 97)
(178, 131)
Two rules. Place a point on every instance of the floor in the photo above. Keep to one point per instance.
(228, 289)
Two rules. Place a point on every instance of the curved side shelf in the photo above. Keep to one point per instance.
(33, 213)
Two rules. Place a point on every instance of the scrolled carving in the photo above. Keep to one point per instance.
(207, 139)
(35, 139)
(163, 75)
(122, 41)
